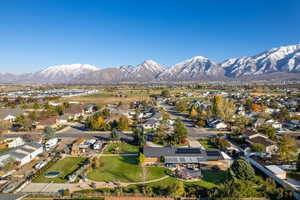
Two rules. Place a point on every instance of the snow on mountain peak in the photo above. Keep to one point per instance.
(150, 65)
(67, 71)
(70, 67)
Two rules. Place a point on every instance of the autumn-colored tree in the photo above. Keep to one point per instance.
(229, 110)
(223, 108)
(201, 123)
(217, 106)
(123, 123)
(181, 106)
(193, 113)
(255, 107)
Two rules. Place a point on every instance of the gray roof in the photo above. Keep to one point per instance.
(20, 155)
(183, 155)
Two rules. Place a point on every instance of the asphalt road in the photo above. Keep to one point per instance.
(193, 132)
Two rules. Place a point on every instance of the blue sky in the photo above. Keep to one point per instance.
(35, 34)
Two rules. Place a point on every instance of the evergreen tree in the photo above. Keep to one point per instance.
(180, 131)
(114, 135)
(242, 170)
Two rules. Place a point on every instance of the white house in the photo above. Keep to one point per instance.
(9, 117)
(51, 143)
(26, 153)
(14, 142)
(220, 125)
(151, 124)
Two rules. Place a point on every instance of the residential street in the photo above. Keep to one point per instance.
(193, 132)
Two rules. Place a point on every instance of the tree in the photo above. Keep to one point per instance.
(8, 165)
(201, 123)
(165, 93)
(193, 112)
(59, 110)
(139, 137)
(241, 169)
(235, 189)
(287, 148)
(141, 159)
(217, 106)
(105, 113)
(36, 106)
(33, 116)
(114, 135)
(123, 123)
(49, 132)
(256, 147)
(180, 131)
(20, 119)
(177, 189)
(222, 143)
(229, 110)
(255, 107)
(181, 106)
(268, 130)
(223, 108)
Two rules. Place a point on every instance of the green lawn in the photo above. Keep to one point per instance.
(64, 166)
(3, 151)
(124, 169)
(207, 144)
(121, 148)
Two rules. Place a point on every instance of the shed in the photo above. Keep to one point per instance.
(277, 171)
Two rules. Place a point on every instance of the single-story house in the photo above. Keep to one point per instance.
(51, 121)
(10, 115)
(14, 142)
(77, 146)
(25, 153)
(269, 145)
(75, 111)
(249, 134)
(215, 123)
(151, 124)
(181, 156)
(259, 122)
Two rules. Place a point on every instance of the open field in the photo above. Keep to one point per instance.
(124, 169)
(64, 166)
(121, 148)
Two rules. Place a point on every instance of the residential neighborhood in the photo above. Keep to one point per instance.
(180, 137)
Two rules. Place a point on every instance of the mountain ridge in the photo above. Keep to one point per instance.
(283, 60)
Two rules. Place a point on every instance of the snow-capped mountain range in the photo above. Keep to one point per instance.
(282, 62)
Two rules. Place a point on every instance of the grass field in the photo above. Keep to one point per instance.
(64, 166)
(124, 169)
(121, 148)
(3, 150)
(106, 97)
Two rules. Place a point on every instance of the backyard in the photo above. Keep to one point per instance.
(65, 167)
(124, 169)
(121, 148)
